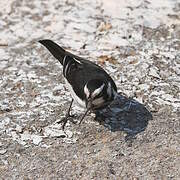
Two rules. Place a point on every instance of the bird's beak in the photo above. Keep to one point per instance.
(89, 103)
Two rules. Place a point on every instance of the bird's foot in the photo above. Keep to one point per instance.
(65, 119)
(72, 116)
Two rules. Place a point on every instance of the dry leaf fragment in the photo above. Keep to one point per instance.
(135, 61)
(104, 26)
(102, 60)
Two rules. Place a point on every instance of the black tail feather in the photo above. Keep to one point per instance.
(55, 49)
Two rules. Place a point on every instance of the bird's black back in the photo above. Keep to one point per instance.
(77, 70)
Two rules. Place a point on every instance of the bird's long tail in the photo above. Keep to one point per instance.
(55, 49)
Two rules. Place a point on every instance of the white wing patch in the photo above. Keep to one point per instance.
(77, 60)
(97, 91)
(86, 91)
(64, 60)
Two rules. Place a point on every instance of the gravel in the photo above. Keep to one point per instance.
(137, 137)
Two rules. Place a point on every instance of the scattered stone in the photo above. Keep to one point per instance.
(3, 151)
(25, 136)
(154, 72)
(36, 139)
(52, 132)
(19, 128)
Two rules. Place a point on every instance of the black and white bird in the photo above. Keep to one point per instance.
(90, 86)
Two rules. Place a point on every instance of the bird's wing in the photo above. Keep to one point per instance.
(79, 71)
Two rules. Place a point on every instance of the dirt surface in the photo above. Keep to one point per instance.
(138, 43)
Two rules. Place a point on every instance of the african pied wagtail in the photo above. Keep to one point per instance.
(90, 86)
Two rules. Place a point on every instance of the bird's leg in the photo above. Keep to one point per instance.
(83, 116)
(65, 119)
(68, 112)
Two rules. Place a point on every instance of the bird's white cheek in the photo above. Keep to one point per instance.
(86, 91)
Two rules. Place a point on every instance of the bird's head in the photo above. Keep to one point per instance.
(98, 94)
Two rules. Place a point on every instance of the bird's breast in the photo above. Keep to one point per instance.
(78, 100)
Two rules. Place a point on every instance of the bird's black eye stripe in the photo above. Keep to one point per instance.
(99, 95)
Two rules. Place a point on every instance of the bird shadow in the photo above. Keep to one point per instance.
(125, 114)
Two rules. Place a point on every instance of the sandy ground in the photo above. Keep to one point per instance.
(138, 43)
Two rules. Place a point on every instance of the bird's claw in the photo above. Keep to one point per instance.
(65, 119)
